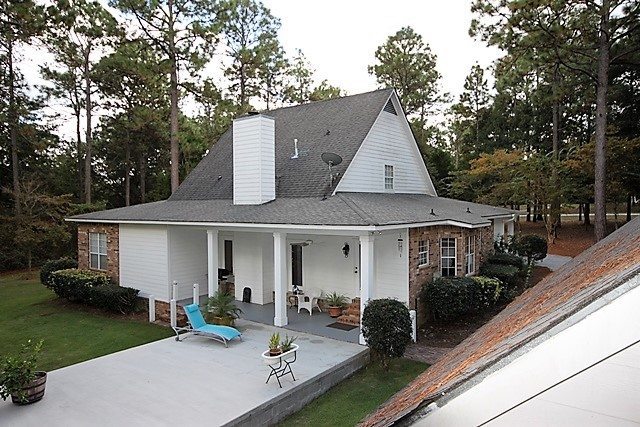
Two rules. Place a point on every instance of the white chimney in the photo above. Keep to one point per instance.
(254, 163)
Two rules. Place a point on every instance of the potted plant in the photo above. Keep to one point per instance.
(335, 302)
(19, 378)
(274, 345)
(288, 345)
(222, 309)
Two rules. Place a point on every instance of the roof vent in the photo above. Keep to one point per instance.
(389, 108)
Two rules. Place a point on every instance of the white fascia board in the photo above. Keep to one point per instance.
(433, 224)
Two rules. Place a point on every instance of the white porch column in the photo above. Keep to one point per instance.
(367, 274)
(511, 227)
(498, 228)
(212, 261)
(280, 278)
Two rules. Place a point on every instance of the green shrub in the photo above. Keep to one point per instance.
(386, 327)
(55, 265)
(93, 288)
(114, 298)
(75, 285)
(448, 298)
(533, 247)
(506, 259)
(509, 275)
(484, 293)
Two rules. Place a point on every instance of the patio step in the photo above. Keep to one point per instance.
(349, 319)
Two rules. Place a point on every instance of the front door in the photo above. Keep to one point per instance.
(296, 265)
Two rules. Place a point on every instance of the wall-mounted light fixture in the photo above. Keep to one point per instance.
(400, 244)
(345, 250)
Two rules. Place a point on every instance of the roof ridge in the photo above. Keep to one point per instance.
(327, 100)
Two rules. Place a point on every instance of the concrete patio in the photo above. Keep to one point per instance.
(186, 383)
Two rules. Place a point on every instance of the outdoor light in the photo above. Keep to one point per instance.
(345, 250)
(400, 242)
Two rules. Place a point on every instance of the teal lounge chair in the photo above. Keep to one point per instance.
(198, 326)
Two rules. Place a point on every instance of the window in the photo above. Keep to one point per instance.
(470, 256)
(423, 253)
(388, 177)
(228, 256)
(98, 251)
(448, 256)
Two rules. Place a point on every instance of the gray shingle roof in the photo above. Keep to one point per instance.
(347, 119)
(345, 209)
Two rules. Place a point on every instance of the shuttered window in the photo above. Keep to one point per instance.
(98, 251)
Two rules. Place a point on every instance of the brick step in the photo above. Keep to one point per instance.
(349, 319)
(353, 311)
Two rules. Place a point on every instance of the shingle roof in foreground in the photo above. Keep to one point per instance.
(343, 209)
(597, 271)
(336, 125)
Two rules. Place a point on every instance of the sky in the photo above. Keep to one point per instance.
(339, 38)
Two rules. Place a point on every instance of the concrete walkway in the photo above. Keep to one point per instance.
(194, 382)
(554, 262)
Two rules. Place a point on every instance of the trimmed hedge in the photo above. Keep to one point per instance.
(386, 326)
(506, 259)
(94, 289)
(55, 265)
(450, 298)
(533, 247)
(508, 274)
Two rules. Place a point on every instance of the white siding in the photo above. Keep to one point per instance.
(253, 160)
(253, 265)
(392, 267)
(188, 259)
(324, 266)
(389, 142)
(144, 259)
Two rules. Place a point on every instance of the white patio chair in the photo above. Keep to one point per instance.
(308, 300)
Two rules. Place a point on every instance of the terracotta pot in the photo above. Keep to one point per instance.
(334, 311)
(275, 352)
(34, 391)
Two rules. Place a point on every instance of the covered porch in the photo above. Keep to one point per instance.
(264, 265)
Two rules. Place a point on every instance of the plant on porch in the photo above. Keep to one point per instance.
(19, 378)
(222, 309)
(335, 303)
(386, 326)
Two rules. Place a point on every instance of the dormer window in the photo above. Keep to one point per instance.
(388, 177)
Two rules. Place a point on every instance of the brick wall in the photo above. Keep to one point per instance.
(419, 275)
(113, 247)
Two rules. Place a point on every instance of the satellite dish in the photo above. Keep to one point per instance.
(332, 159)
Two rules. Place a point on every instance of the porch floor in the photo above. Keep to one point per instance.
(315, 325)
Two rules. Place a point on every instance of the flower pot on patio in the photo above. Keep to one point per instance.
(33, 392)
(335, 311)
(288, 356)
(224, 321)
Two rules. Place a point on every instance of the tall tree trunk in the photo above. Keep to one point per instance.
(601, 123)
(579, 212)
(629, 201)
(555, 202)
(587, 214)
(88, 140)
(173, 59)
(127, 173)
(13, 131)
(80, 158)
(143, 176)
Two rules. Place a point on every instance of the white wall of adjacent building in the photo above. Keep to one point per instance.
(187, 259)
(389, 142)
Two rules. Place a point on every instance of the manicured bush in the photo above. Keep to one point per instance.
(484, 293)
(93, 288)
(448, 298)
(506, 259)
(75, 285)
(117, 299)
(55, 265)
(510, 276)
(386, 327)
(533, 247)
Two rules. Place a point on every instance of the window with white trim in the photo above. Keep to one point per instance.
(388, 177)
(423, 253)
(448, 256)
(98, 251)
(470, 256)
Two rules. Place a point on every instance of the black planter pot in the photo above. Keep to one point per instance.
(34, 391)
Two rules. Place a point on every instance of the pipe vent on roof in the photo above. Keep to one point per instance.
(389, 108)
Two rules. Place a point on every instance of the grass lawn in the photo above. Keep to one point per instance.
(71, 333)
(350, 401)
